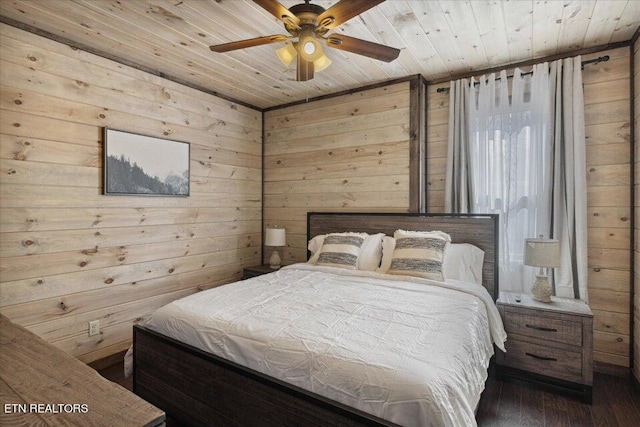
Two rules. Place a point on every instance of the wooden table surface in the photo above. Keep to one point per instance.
(34, 372)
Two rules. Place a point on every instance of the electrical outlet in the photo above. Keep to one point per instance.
(94, 327)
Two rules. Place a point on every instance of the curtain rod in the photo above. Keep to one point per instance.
(590, 61)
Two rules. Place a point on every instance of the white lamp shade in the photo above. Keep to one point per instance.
(321, 63)
(542, 252)
(275, 237)
(287, 54)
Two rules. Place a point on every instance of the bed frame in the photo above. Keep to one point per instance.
(199, 388)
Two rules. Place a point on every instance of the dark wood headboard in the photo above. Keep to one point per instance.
(480, 230)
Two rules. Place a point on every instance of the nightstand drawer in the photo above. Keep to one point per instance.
(544, 360)
(557, 330)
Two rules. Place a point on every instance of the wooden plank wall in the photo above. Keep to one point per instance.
(346, 153)
(607, 120)
(69, 254)
(636, 257)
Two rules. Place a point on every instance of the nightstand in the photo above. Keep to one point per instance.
(258, 270)
(547, 343)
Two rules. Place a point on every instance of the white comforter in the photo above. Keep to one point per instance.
(408, 350)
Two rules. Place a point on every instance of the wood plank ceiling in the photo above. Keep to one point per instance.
(437, 38)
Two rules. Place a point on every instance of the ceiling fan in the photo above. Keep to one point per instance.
(310, 24)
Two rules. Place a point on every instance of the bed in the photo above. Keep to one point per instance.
(327, 346)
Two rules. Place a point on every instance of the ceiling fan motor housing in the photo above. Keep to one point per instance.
(307, 14)
(307, 11)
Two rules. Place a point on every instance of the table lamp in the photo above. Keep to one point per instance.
(275, 237)
(543, 253)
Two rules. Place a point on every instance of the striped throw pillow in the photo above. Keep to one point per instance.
(419, 254)
(341, 250)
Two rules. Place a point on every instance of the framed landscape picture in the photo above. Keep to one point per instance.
(144, 165)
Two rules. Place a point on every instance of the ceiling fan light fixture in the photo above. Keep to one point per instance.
(287, 54)
(308, 46)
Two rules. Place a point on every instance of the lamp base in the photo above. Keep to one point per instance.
(541, 289)
(274, 261)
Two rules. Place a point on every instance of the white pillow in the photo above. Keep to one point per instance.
(314, 247)
(419, 254)
(341, 250)
(463, 261)
(371, 252)
(388, 245)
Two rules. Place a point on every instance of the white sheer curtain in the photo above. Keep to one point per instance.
(511, 164)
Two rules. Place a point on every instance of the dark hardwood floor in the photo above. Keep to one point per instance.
(616, 402)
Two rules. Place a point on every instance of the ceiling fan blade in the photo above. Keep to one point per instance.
(226, 47)
(305, 69)
(279, 11)
(343, 11)
(363, 47)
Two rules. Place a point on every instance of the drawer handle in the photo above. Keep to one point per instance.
(541, 357)
(540, 328)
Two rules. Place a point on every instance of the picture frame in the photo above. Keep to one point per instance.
(143, 165)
